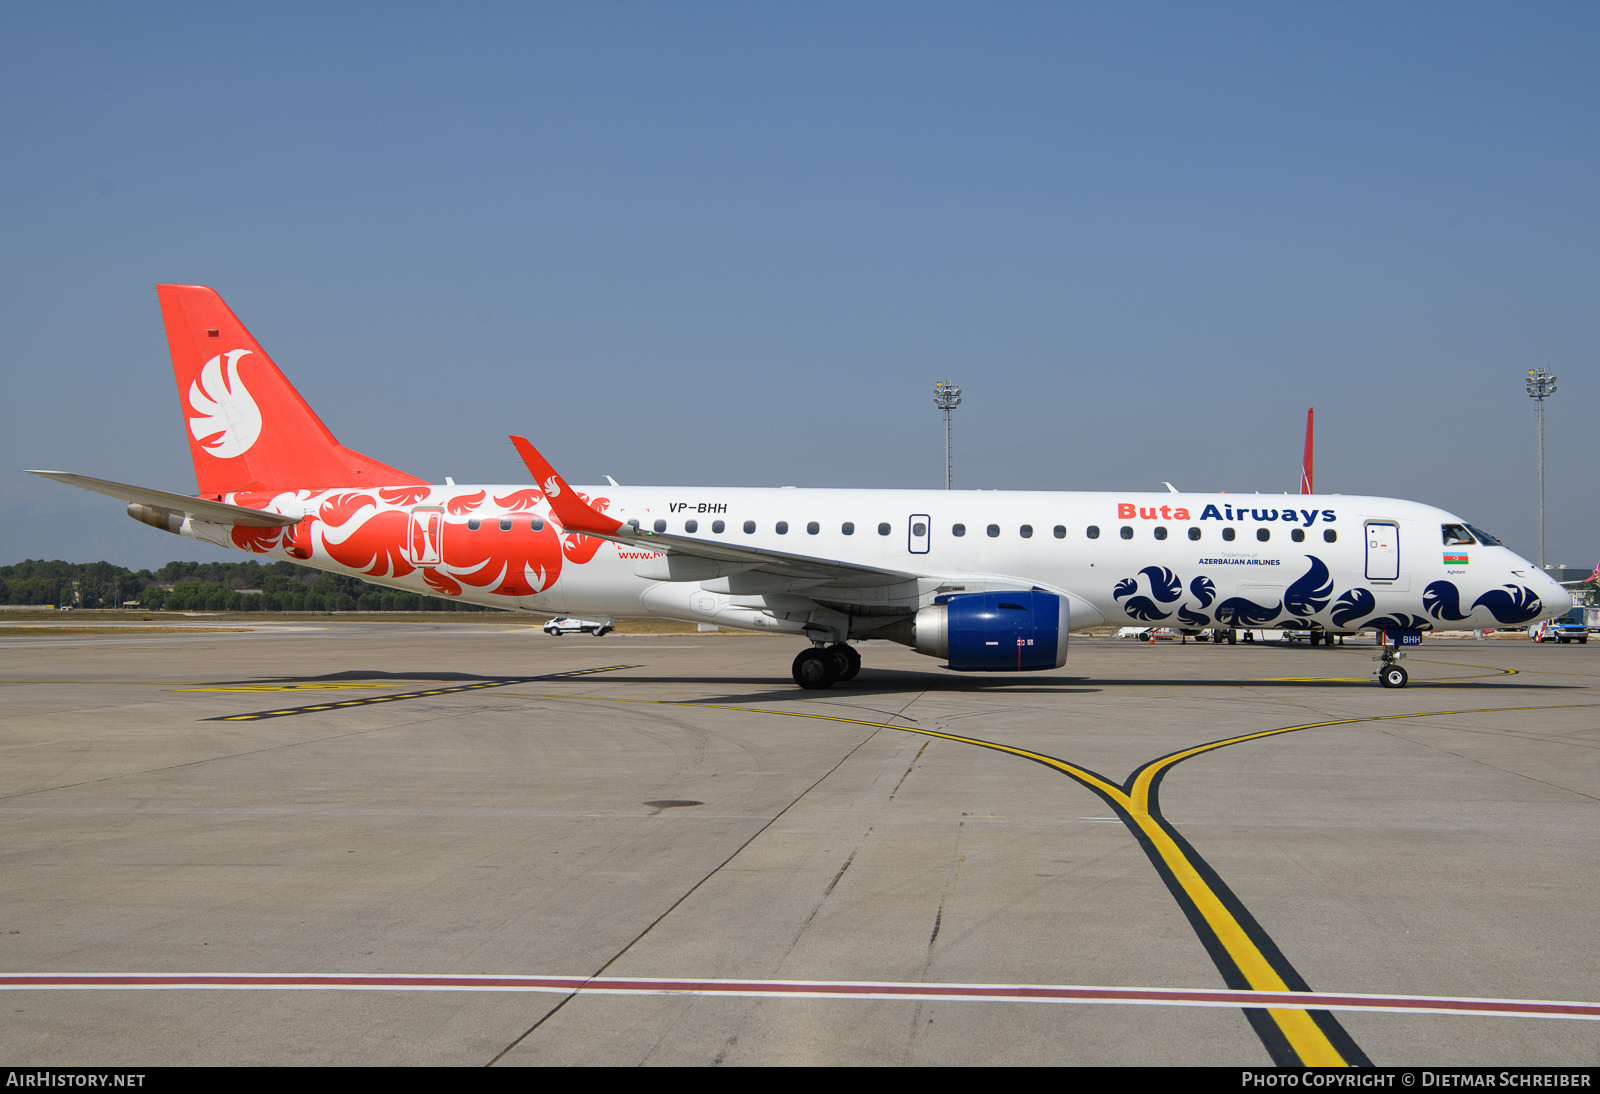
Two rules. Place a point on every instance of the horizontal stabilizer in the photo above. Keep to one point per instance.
(214, 512)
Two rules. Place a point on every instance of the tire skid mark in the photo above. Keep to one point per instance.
(372, 700)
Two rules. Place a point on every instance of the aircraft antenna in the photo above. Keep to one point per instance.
(947, 396)
(1541, 385)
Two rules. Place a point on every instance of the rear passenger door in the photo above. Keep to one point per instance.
(427, 531)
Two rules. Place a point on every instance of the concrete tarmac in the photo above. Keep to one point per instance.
(475, 800)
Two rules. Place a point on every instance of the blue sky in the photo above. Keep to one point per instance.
(737, 243)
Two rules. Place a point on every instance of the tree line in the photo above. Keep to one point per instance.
(207, 586)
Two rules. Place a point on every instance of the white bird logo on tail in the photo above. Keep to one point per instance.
(552, 487)
(227, 420)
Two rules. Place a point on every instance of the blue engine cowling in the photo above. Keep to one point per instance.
(995, 632)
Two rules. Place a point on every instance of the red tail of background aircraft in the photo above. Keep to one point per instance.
(1305, 462)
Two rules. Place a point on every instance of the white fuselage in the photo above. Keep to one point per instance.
(1336, 563)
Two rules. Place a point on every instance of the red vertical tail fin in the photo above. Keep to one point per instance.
(1305, 462)
(248, 427)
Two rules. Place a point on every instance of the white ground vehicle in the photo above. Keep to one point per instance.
(1563, 629)
(564, 624)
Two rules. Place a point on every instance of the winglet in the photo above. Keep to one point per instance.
(573, 512)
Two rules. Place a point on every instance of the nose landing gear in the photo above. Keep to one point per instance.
(1391, 674)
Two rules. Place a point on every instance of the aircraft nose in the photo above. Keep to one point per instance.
(1556, 599)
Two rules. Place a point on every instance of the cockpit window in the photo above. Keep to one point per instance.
(1484, 537)
(1456, 535)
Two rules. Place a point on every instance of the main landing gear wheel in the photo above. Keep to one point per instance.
(815, 669)
(1392, 676)
(848, 659)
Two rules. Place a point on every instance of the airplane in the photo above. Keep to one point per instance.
(988, 581)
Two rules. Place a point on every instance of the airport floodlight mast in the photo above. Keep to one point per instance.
(946, 396)
(1541, 385)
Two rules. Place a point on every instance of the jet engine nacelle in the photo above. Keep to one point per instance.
(164, 519)
(994, 632)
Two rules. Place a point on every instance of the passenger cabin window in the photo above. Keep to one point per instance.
(848, 528)
(782, 528)
(1127, 532)
(691, 526)
(1093, 531)
(474, 524)
(537, 524)
(1027, 531)
(1298, 535)
(993, 530)
(1456, 535)
(661, 526)
(1161, 533)
(717, 526)
(634, 525)
(958, 530)
(1194, 533)
(1061, 531)
(749, 527)
(1263, 534)
(505, 524)
(813, 528)
(1228, 534)
(883, 530)
(1330, 536)
(918, 529)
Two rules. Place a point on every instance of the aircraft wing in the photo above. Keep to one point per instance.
(215, 512)
(737, 568)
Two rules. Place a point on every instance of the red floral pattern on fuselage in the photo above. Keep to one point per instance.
(516, 562)
(377, 547)
(361, 533)
(441, 583)
(339, 508)
(521, 499)
(259, 540)
(404, 495)
(578, 547)
(465, 503)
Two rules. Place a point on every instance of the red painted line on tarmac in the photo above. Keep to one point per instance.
(821, 989)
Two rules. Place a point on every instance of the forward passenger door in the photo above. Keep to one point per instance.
(1383, 550)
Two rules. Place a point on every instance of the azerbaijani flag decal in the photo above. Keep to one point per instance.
(1455, 560)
